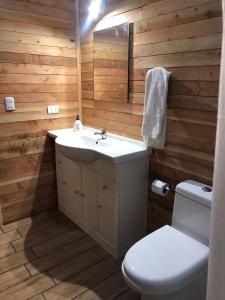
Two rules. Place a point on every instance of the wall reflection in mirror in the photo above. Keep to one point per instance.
(111, 47)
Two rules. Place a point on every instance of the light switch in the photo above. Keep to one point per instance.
(53, 109)
(9, 104)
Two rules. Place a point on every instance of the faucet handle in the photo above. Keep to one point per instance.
(102, 132)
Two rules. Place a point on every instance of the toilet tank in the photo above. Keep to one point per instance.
(192, 207)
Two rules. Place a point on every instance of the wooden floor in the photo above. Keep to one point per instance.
(48, 257)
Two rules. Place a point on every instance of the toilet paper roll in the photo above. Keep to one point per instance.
(160, 188)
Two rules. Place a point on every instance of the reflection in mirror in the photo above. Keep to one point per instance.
(111, 47)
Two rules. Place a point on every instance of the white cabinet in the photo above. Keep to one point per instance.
(69, 184)
(90, 197)
(107, 220)
(107, 200)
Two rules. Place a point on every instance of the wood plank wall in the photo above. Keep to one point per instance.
(38, 67)
(184, 37)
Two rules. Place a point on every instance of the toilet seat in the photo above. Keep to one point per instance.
(164, 261)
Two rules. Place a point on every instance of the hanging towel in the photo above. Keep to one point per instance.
(154, 115)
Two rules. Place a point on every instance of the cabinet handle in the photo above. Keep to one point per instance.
(63, 182)
(82, 195)
(76, 192)
(105, 187)
(99, 206)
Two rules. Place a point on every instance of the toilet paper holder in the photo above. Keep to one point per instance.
(170, 188)
(162, 188)
(167, 189)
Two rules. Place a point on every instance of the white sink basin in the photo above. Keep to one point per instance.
(82, 146)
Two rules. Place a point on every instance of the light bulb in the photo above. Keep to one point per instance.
(94, 9)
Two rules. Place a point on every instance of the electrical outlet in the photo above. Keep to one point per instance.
(53, 109)
(9, 103)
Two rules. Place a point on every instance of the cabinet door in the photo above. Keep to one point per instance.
(71, 186)
(107, 221)
(58, 161)
(90, 197)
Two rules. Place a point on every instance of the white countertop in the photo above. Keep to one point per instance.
(115, 147)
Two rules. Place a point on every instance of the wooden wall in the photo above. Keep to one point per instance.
(38, 67)
(184, 37)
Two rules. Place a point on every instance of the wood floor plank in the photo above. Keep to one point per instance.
(13, 277)
(107, 289)
(29, 220)
(59, 256)
(35, 227)
(9, 237)
(58, 242)
(78, 263)
(38, 297)
(6, 250)
(86, 279)
(129, 295)
(28, 288)
(77, 267)
(42, 236)
(12, 261)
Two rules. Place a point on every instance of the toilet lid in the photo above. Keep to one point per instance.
(164, 260)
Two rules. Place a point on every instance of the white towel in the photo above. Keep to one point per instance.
(155, 103)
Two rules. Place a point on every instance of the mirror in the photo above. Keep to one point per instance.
(111, 48)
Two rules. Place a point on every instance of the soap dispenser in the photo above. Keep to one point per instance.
(77, 124)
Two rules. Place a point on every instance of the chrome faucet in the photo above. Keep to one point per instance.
(102, 134)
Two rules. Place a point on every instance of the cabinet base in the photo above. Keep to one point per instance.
(100, 240)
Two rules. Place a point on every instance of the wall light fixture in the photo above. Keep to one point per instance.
(94, 9)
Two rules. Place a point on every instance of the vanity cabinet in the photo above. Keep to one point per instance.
(69, 187)
(90, 198)
(107, 220)
(107, 200)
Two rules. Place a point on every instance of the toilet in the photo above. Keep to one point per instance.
(171, 263)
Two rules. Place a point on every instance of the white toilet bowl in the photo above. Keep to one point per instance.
(167, 264)
(171, 263)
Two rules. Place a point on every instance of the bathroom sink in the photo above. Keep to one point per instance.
(82, 146)
(91, 141)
